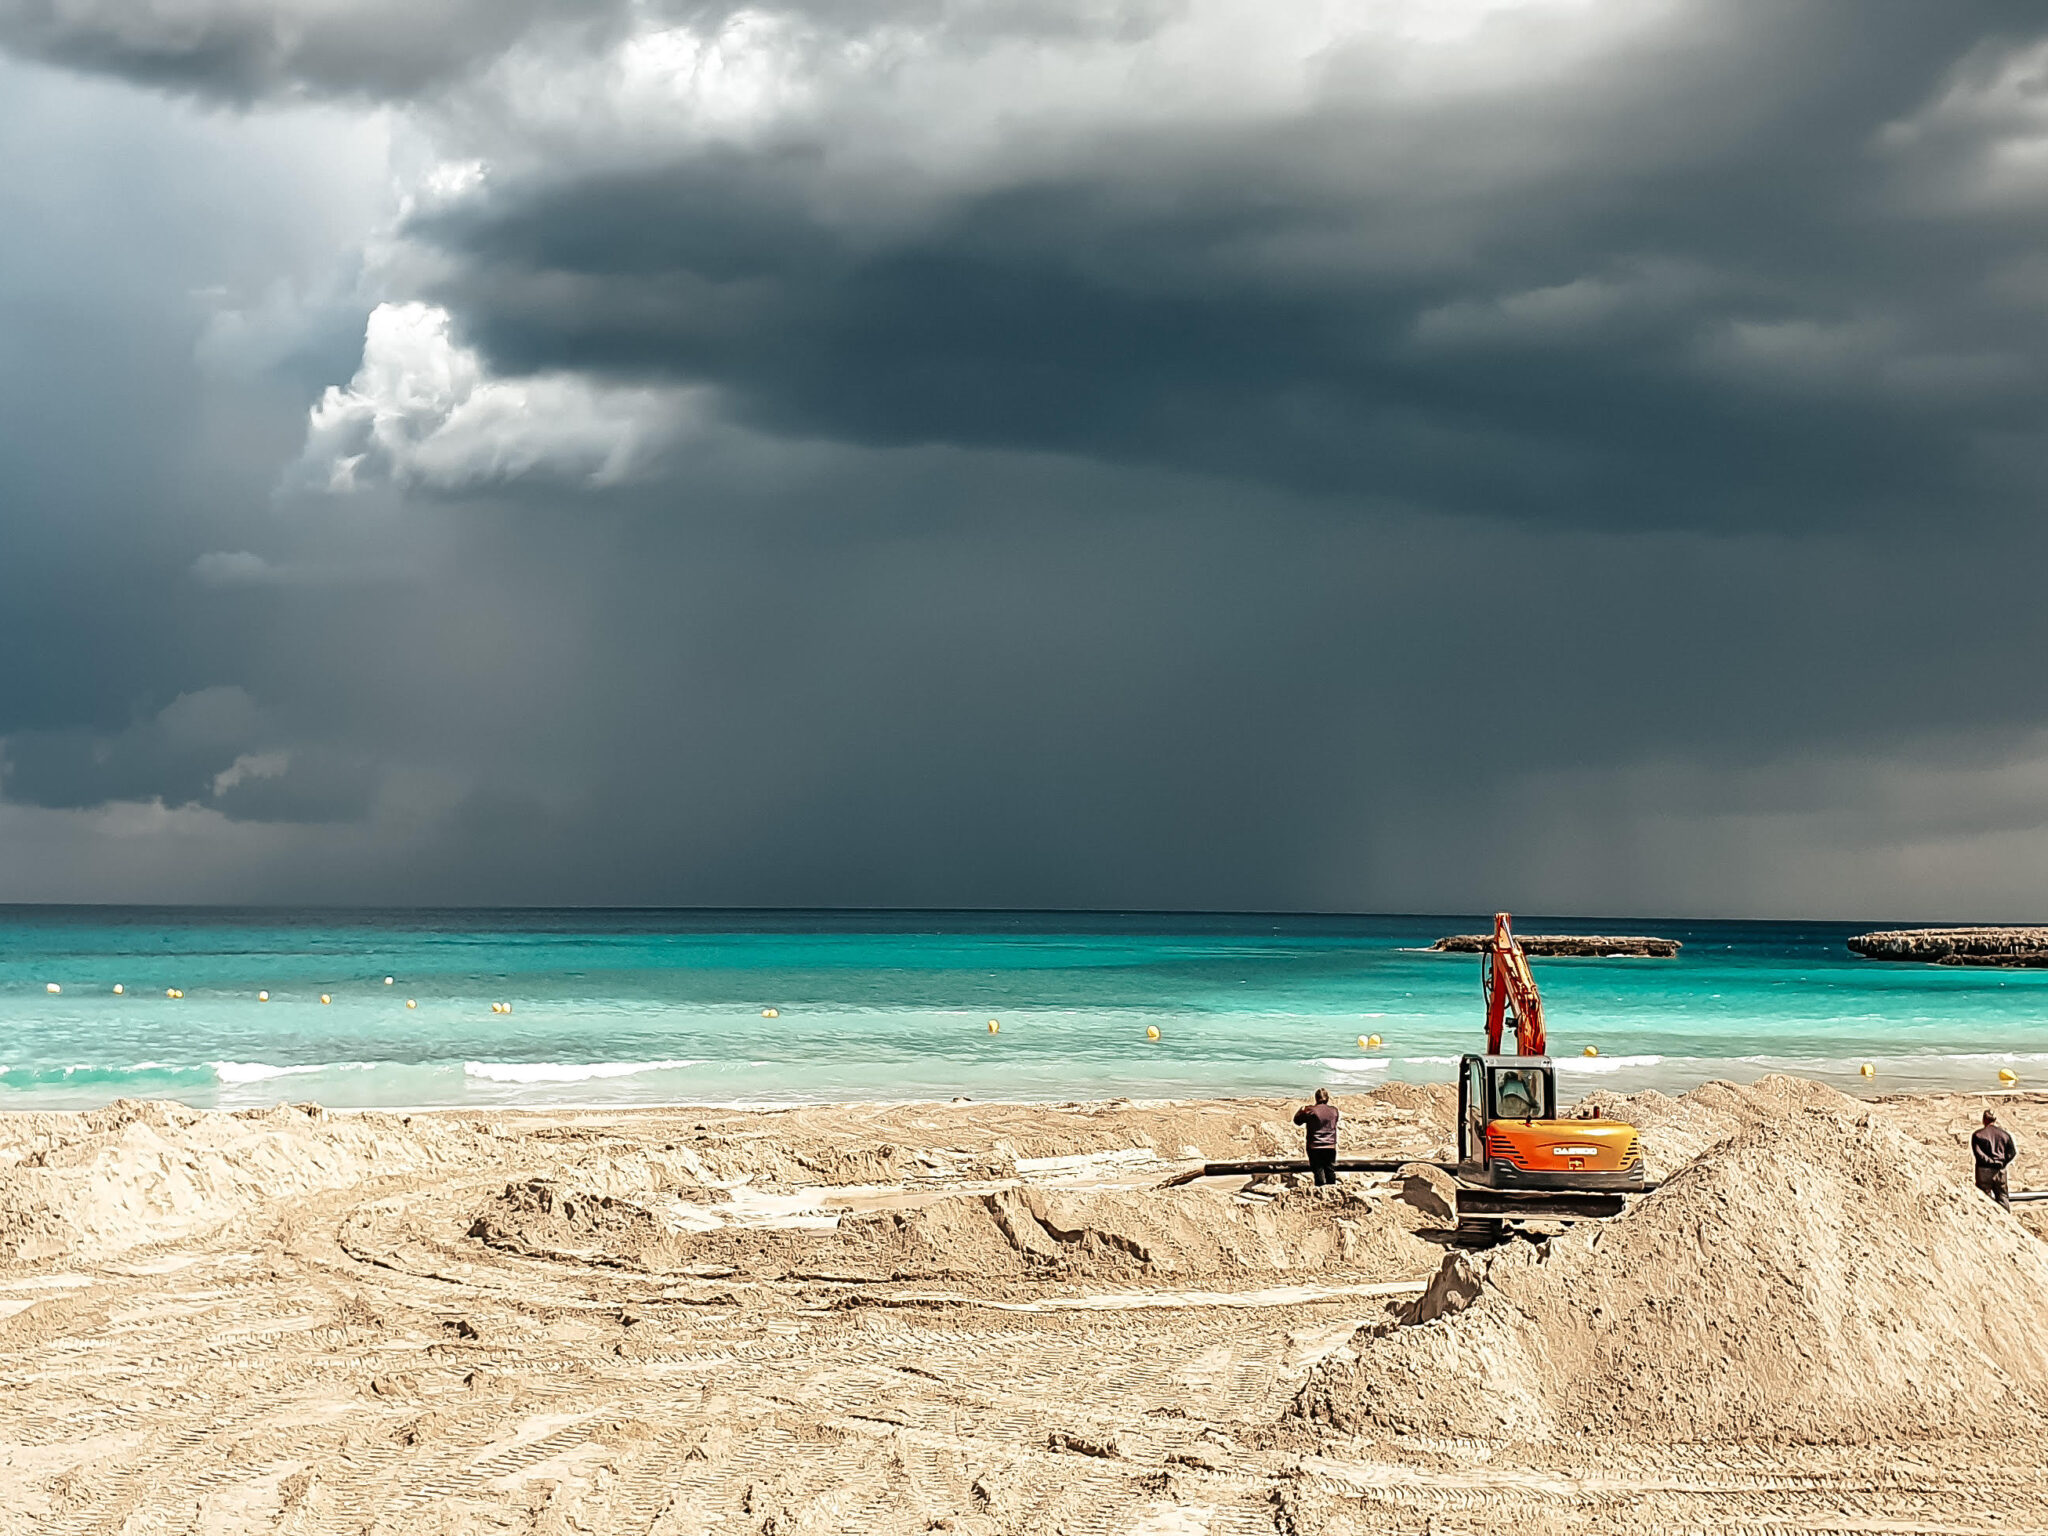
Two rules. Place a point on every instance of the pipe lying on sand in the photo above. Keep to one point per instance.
(1494, 1201)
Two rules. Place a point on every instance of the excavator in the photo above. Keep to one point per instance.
(1517, 1160)
(1511, 1143)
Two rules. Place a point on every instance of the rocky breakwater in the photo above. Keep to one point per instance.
(1582, 946)
(1957, 946)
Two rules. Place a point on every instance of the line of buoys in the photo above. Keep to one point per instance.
(1151, 1031)
(771, 1013)
(119, 989)
(994, 1028)
(325, 998)
(51, 986)
(501, 1007)
(173, 992)
(262, 997)
(2007, 1075)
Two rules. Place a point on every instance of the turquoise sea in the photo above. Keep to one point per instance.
(616, 1007)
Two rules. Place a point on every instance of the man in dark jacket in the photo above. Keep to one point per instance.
(1993, 1150)
(1321, 1120)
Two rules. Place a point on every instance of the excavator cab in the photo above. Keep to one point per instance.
(1509, 1136)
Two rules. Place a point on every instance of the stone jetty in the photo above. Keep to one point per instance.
(2023, 947)
(1581, 946)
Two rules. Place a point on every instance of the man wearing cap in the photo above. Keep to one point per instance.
(1993, 1150)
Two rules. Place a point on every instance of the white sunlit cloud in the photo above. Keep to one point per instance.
(424, 412)
(913, 104)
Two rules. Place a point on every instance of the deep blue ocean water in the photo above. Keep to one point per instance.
(666, 1006)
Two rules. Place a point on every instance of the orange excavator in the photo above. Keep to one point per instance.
(1510, 1138)
(1517, 1160)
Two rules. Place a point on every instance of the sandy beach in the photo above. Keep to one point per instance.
(995, 1318)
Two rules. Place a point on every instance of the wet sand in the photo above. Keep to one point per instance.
(960, 1317)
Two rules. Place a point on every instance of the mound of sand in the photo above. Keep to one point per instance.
(89, 1186)
(1009, 1234)
(540, 1216)
(1675, 1131)
(1816, 1277)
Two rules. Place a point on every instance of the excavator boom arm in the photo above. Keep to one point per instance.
(1510, 986)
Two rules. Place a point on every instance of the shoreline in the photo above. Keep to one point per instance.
(1582, 1077)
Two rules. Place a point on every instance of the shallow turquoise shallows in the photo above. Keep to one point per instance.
(625, 1007)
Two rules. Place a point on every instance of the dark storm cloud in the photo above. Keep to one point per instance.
(1029, 455)
(1714, 266)
(213, 748)
(244, 51)
(1712, 286)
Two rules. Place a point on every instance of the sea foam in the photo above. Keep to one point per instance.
(564, 1072)
(1570, 1064)
(233, 1074)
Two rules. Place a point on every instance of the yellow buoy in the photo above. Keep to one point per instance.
(389, 979)
(1151, 1031)
(1867, 1070)
(994, 1027)
(262, 997)
(325, 998)
(410, 1003)
(771, 1013)
(1362, 1042)
(51, 986)
(1591, 1050)
(119, 989)
(2007, 1075)
(1374, 1041)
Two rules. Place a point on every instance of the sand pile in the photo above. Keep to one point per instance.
(88, 1186)
(1675, 1131)
(1819, 1278)
(1010, 1234)
(542, 1217)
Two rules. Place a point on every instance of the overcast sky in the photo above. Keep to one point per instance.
(1572, 455)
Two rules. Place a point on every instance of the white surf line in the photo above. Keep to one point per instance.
(1137, 1301)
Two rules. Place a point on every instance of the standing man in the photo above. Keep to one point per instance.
(1321, 1120)
(1993, 1150)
